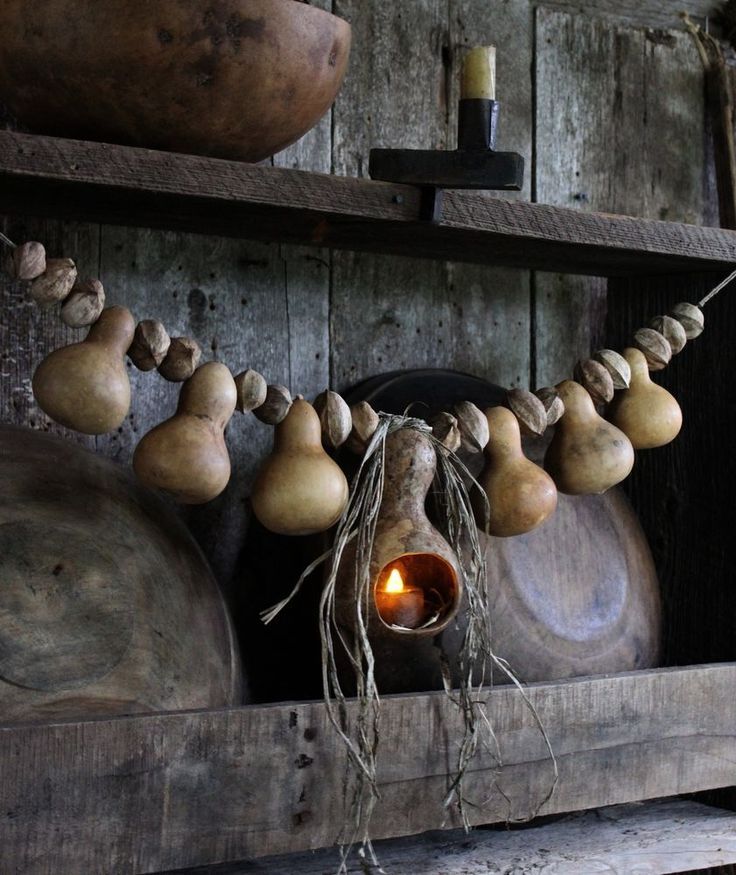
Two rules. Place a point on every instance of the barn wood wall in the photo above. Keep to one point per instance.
(605, 106)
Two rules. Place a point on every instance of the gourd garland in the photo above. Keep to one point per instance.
(84, 386)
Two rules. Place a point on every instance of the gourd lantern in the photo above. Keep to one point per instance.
(415, 577)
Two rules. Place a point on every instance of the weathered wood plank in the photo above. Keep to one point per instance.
(29, 333)
(661, 14)
(494, 340)
(134, 185)
(652, 839)
(169, 791)
(600, 146)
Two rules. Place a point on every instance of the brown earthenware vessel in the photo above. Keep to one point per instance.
(238, 79)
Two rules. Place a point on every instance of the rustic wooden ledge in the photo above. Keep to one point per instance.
(654, 838)
(123, 185)
(169, 791)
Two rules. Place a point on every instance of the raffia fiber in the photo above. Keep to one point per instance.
(359, 727)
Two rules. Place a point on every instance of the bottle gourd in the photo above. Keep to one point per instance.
(587, 455)
(647, 414)
(186, 455)
(85, 385)
(299, 489)
(521, 495)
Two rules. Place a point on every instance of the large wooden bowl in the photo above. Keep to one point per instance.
(237, 79)
(107, 606)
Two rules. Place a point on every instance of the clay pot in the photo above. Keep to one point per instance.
(237, 79)
(107, 606)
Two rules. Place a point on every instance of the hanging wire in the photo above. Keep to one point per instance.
(713, 292)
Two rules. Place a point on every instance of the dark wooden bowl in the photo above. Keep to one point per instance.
(107, 605)
(238, 79)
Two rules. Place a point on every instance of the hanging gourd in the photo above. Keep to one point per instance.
(186, 455)
(521, 495)
(299, 489)
(85, 385)
(587, 455)
(647, 413)
(415, 579)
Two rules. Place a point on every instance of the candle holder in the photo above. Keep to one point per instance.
(416, 582)
(475, 163)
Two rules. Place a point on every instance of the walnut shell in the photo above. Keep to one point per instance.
(252, 390)
(27, 261)
(529, 410)
(690, 317)
(655, 347)
(365, 422)
(181, 360)
(553, 404)
(150, 345)
(335, 418)
(672, 330)
(595, 378)
(616, 365)
(55, 283)
(276, 406)
(473, 426)
(84, 304)
(446, 429)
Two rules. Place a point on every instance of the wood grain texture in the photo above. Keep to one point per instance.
(650, 839)
(168, 791)
(416, 314)
(118, 184)
(102, 593)
(662, 14)
(29, 333)
(681, 491)
(600, 146)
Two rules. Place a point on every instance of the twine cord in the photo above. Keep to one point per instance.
(714, 291)
(6, 240)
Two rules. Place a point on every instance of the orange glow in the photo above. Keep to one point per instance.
(395, 582)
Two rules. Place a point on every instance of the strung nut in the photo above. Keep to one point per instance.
(27, 261)
(56, 282)
(473, 427)
(181, 360)
(276, 405)
(616, 365)
(335, 418)
(447, 431)
(671, 330)
(365, 422)
(553, 404)
(150, 345)
(655, 347)
(529, 410)
(690, 317)
(594, 377)
(252, 390)
(84, 304)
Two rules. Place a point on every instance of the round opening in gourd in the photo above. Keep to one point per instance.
(416, 592)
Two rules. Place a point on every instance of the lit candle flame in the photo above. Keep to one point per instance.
(395, 582)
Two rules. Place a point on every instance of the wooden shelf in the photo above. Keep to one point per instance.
(654, 837)
(123, 185)
(167, 791)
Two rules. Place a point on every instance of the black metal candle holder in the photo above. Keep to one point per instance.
(474, 164)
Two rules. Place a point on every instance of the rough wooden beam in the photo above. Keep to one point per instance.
(127, 186)
(145, 794)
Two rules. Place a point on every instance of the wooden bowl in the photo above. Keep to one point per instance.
(107, 605)
(239, 79)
